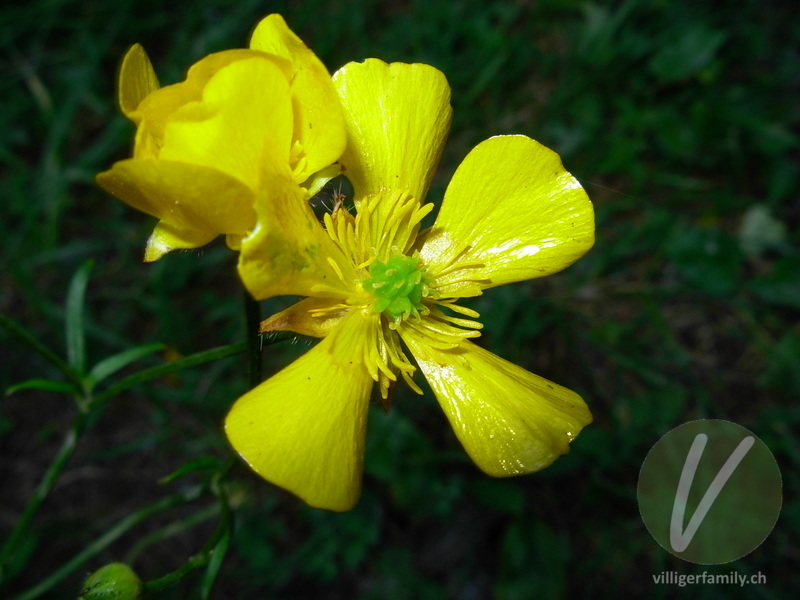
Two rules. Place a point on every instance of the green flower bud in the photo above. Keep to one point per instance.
(116, 581)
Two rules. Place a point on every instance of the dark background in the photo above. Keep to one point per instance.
(680, 119)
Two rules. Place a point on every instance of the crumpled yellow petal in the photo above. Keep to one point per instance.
(154, 110)
(314, 317)
(303, 429)
(186, 196)
(166, 238)
(137, 80)
(397, 117)
(510, 213)
(318, 119)
(242, 126)
(509, 420)
(288, 252)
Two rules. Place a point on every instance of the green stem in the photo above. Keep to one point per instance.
(109, 537)
(201, 558)
(252, 311)
(169, 531)
(44, 488)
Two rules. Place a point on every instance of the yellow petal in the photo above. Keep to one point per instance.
(510, 213)
(242, 126)
(397, 117)
(152, 115)
(137, 80)
(314, 184)
(304, 428)
(204, 69)
(188, 197)
(314, 317)
(509, 420)
(289, 253)
(156, 109)
(319, 124)
(166, 238)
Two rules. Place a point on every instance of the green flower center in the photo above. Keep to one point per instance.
(399, 285)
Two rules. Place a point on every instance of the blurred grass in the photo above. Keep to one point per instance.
(680, 119)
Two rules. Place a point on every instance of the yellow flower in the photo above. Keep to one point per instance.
(510, 213)
(205, 148)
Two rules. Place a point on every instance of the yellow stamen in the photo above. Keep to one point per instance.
(450, 303)
(322, 312)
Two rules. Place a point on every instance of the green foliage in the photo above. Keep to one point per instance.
(680, 120)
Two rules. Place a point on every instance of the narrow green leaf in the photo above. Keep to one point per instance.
(112, 364)
(46, 385)
(76, 335)
(214, 564)
(22, 556)
(198, 464)
(173, 367)
(29, 340)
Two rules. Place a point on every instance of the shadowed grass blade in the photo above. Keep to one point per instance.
(75, 327)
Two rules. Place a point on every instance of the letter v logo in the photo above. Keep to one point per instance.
(709, 491)
(680, 540)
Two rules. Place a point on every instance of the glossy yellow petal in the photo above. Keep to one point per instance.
(188, 197)
(319, 123)
(510, 213)
(397, 118)
(509, 420)
(304, 428)
(289, 253)
(137, 80)
(166, 238)
(314, 317)
(242, 126)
